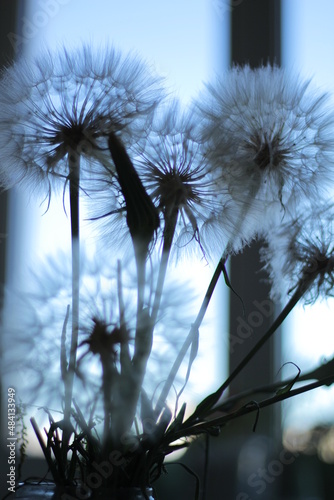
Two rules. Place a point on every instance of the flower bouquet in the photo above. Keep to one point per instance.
(252, 157)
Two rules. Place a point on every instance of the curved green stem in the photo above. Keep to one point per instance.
(205, 426)
(324, 371)
(213, 398)
(198, 321)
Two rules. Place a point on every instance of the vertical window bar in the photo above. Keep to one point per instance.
(255, 40)
(9, 15)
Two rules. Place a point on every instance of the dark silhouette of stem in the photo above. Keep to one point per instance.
(193, 330)
(167, 245)
(213, 398)
(210, 425)
(143, 220)
(74, 178)
(324, 371)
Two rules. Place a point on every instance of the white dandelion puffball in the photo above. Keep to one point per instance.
(36, 324)
(300, 255)
(268, 135)
(176, 175)
(65, 104)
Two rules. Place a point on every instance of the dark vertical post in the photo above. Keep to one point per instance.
(9, 12)
(8, 16)
(255, 40)
(255, 32)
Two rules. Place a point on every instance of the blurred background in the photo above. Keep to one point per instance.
(189, 42)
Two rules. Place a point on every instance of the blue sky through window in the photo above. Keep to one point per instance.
(180, 40)
(308, 41)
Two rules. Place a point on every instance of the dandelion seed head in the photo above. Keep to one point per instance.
(268, 133)
(266, 150)
(64, 104)
(175, 174)
(300, 254)
(35, 324)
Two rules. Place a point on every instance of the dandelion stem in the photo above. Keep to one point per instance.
(46, 450)
(195, 326)
(169, 232)
(205, 426)
(107, 378)
(125, 353)
(276, 324)
(74, 177)
(193, 331)
(213, 398)
(142, 220)
(322, 372)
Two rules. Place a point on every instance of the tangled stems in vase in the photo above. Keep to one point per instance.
(143, 221)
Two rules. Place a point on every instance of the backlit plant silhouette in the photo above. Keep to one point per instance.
(249, 158)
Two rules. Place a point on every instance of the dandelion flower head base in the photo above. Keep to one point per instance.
(267, 151)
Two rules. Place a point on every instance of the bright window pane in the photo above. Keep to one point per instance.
(179, 39)
(308, 39)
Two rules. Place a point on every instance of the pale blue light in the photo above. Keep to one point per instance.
(182, 40)
(308, 41)
(176, 37)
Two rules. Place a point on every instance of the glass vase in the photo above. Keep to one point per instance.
(36, 491)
